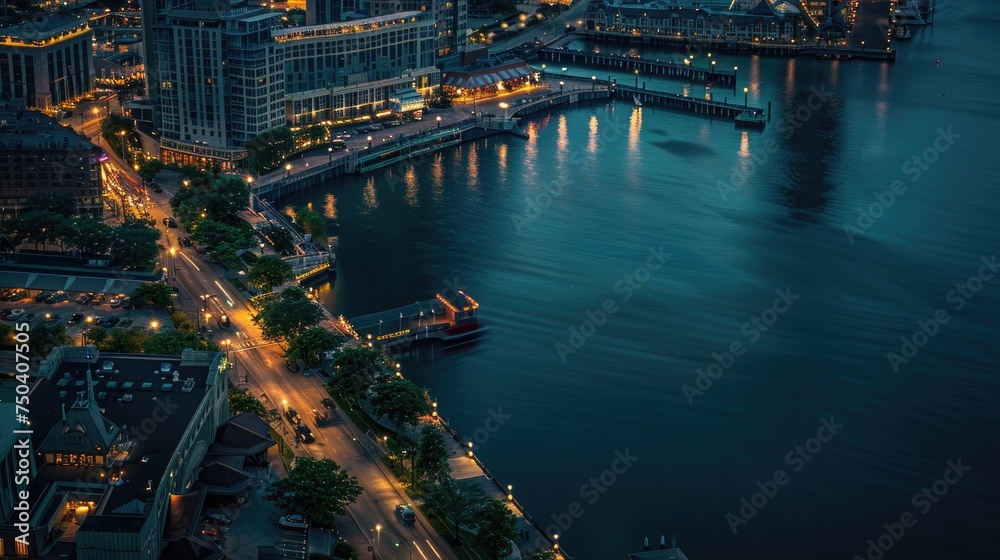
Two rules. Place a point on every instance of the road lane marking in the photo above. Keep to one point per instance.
(418, 550)
(433, 550)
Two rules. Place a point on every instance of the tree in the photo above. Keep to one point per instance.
(440, 99)
(154, 293)
(316, 488)
(91, 236)
(399, 399)
(174, 342)
(45, 337)
(457, 500)
(311, 344)
(219, 200)
(42, 226)
(266, 151)
(129, 341)
(316, 134)
(134, 245)
(313, 224)
(287, 315)
(149, 169)
(496, 527)
(432, 455)
(355, 369)
(240, 400)
(62, 203)
(269, 271)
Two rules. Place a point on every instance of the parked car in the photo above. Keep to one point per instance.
(118, 300)
(57, 297)
(157, 188)
(26, 318)
(293, 522)
(83, 299)
(75, 318)
(14, 295)
(126, 303)
(328, 403)
(292, 366)
(109, 321)
(99, 299)
(376, 126)
(42, 296)
(405, 514)
(171, 222)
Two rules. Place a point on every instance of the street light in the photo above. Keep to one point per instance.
(504, 106)
(154, 325)
(329, 151)
(288, 169)
(510, 492)
(543, 70)
(735, 70)
(745, 98)
(593, 83)
(713, 68)
(439, 121)
(369, 142)
(637, 76)
(561, 84)
(186, 183)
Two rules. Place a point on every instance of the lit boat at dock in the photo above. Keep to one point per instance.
(751, 119)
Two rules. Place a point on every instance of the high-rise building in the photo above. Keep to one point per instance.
(218, 81)
(47, 62)
(348, 69)
(449, 15)
(38, 155)
(319, 12)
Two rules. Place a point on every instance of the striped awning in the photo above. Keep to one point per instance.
(486, 76)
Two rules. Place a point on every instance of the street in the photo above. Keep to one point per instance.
(263, 363)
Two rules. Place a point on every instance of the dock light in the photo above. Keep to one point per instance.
(439, 122)
(510, 495)
(561, 84)
(288, 169)
(745, 97)
(470, 449)
(369, 141)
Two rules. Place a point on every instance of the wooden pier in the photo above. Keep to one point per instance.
(443, 318)
(645, 67)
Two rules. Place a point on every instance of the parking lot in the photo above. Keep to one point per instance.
(77, 312)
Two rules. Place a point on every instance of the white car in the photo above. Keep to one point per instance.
(293, 522)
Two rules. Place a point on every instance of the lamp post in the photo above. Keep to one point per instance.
(745, 96)
(438, 119)
(561, 84)
(510, 492)
(543, 70)
(713, 68)
(636, 78)
(369, 142)
(504, 106)
(329, 151)
(288, 170)
(593, 83)
(735, 70)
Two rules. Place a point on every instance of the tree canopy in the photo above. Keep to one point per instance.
(399, 399)
(432, 455)
(289, 314)
(496, 526)
(457, 501)
(266, 151)
(156, 294)
(206, 199)
(134, 245)
(316, 488)
(311, 344)
(269, 271)
(312, 223)
(174, 342)
(240, 400)
(355, 369)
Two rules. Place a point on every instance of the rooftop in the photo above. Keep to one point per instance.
(37, 33)
(134, 395)
(32, 130)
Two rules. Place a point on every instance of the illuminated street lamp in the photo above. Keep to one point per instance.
(154, 325)
(369, 142)
(329, 152)
(288, 169)
(470, 449)
(735, 70)
(713, 68)
(637, 76)
(510, 492)
(186, 183)
(746, 101)
(593, 83)
(439, 121)
(561, 84)
(504, 106)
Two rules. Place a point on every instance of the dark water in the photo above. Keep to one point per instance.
(625, 181)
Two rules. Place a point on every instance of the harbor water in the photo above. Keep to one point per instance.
(778, 343)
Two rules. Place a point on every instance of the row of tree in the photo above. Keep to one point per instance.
(51, 218)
